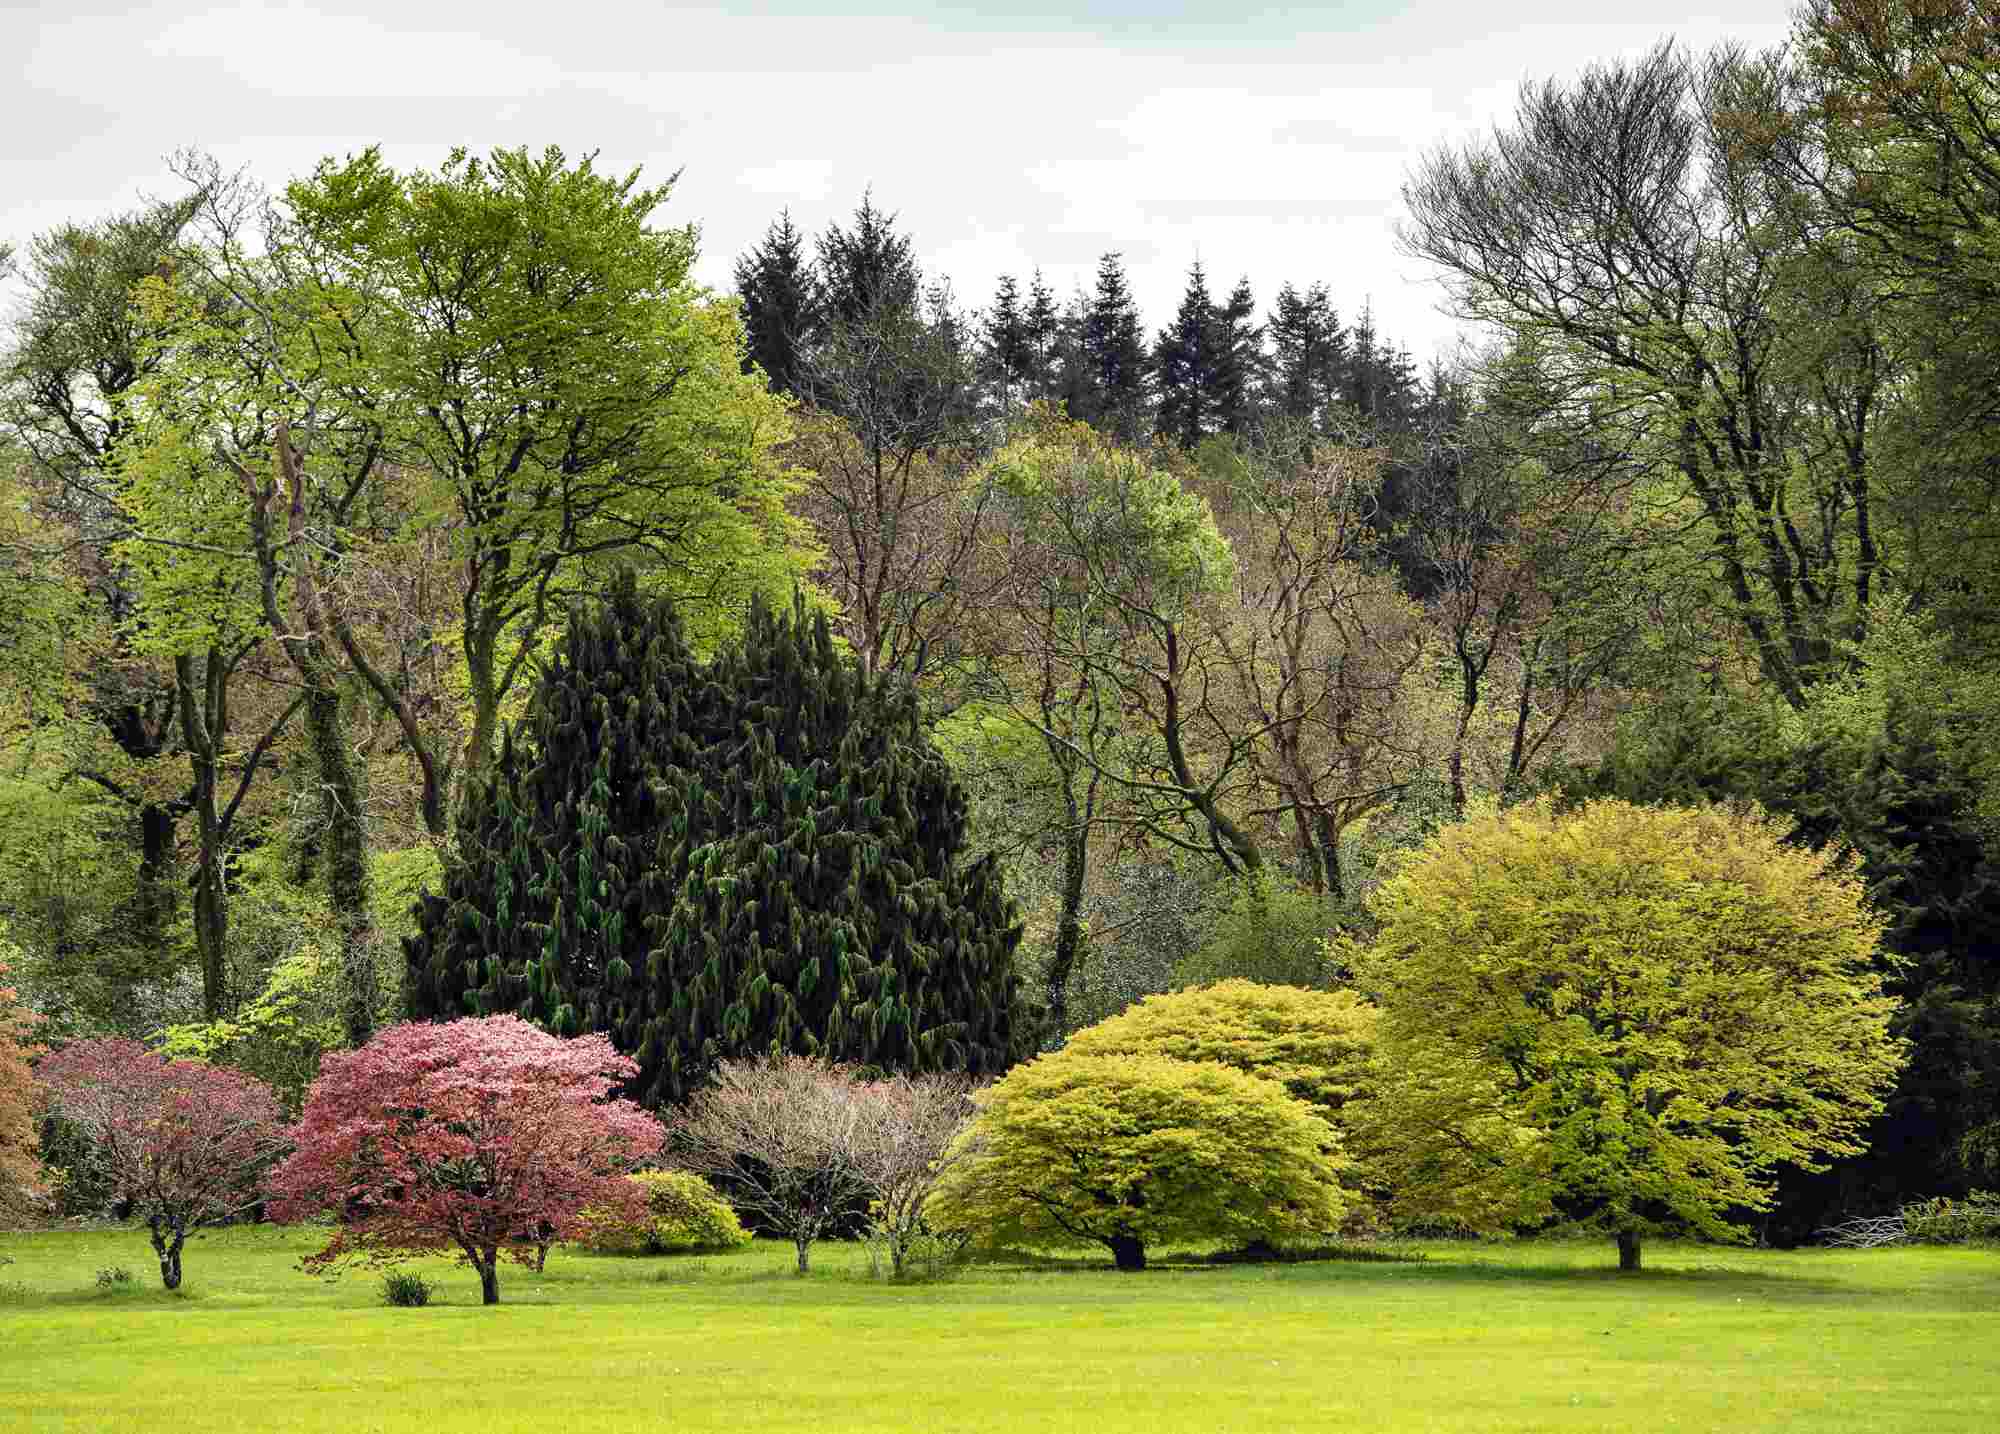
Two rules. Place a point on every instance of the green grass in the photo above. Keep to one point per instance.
(1522, 1337)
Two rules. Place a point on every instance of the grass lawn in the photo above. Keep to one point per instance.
(1522, 1337)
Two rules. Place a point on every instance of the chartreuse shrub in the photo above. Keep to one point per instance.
(1134, 1150)
(1317, 1044)
(683, 1212)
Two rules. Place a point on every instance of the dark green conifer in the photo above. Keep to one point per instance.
(711, 860)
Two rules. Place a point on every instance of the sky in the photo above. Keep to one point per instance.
(1270, 141)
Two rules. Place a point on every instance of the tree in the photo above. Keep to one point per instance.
(780, 298)
(1623, 1018)
(184, 1145)
(578, 400)
(1187, 366)
(484, 1136)
(1131, 1151)
(757, 854)
(782, 1137)
(868, 270)
(1678, 271)
(1112, 366)
(1239, 360)
(1317, 1044)
(906, 1149)
(20, 1157)
(1309, 349)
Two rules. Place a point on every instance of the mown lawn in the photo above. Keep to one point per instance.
(1525, 1337)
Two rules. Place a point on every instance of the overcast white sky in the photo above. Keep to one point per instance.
(1271, 141)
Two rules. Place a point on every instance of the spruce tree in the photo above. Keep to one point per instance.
(868, 269)
(1185, 362)
(1005, 347)
(1239, 361)
(1308, 353)
(780, 303)
(755, 854)
(1116, 370)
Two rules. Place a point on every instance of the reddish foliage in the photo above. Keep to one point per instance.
(20, 1168)
(185, 1144)
(482, 1136)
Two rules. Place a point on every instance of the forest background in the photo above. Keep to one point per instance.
(1213, 612)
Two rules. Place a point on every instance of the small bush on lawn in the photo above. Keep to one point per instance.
(1953, 1222)
(405, 1288)
(683, 1212)
(113, 1277)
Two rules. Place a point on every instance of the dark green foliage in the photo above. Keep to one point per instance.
(406, 1288)
(1114, 368)
(1187, 363)
(780, 303)
(716, 860)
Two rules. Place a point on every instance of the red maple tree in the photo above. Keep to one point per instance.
(185, 1145)
(487, 1136)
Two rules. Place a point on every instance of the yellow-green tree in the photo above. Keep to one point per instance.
(1620, 1017)
(1130, 1151)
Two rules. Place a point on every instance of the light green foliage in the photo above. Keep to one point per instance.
(1272, 931)
(279, 1035)
(1317, 1044)
(1130, 1151)
(1624, 1018)
(685, 1214)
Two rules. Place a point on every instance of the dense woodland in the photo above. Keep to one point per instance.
(1211, 613)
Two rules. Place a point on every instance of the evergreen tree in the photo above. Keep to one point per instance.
(1042, 324)
(1239, 360)
(1186, 361)
(1115, 372)
(705, 861)
(1004, 344)
(1308, 353)
(780, 303)
(867, 269)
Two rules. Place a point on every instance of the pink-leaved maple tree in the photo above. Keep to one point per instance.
(20, 1163)
(185, 1145)
(487, 1136)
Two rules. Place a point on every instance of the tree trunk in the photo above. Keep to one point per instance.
(489, 1278)
(1128, 1252)
(156, 894)
(202, 732)
(1069, 930)
(168, 1237)
(1628, 1249)
(804, 1245)
(346, 852)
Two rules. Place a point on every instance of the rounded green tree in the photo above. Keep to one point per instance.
(1131, 1151)
(713, 860)
(1622, 1018)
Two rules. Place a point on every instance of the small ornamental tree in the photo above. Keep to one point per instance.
(780, 1137)
(908, 1145)
(1622, 1017)
(20, 1164)
(185, 1145)
(1131, 1151)
(482, 1136)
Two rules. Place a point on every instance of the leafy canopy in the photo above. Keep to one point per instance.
(1621, 1017)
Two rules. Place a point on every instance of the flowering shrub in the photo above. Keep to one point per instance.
(482, 1136)
(186, 1145)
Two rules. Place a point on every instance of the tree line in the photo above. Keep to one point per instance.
(1208, 618)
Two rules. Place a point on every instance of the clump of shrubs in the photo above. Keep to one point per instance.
(1953, 1222)
(406, 1289)
(113, 1277)
(683, 1212)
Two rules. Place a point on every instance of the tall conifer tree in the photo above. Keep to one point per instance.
(716, 860)
(780, 303)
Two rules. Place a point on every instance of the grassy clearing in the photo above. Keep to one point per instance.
(1526, 1337)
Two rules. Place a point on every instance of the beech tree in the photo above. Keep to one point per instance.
(185, 1145)
(486, 1136)
(1622, 1018)
(1130, 1151)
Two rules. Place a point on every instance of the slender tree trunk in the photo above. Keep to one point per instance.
(156, 895)
(168, 1237)
(345, 852)
(1628, 1249)
(1128, 1252)
(804, 1245)
(488, 1265)
(1069, 928)
(202, 730)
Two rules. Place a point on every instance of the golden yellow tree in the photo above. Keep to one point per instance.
(1623, 1018)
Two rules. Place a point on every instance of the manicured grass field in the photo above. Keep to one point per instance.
(1524, 1337)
